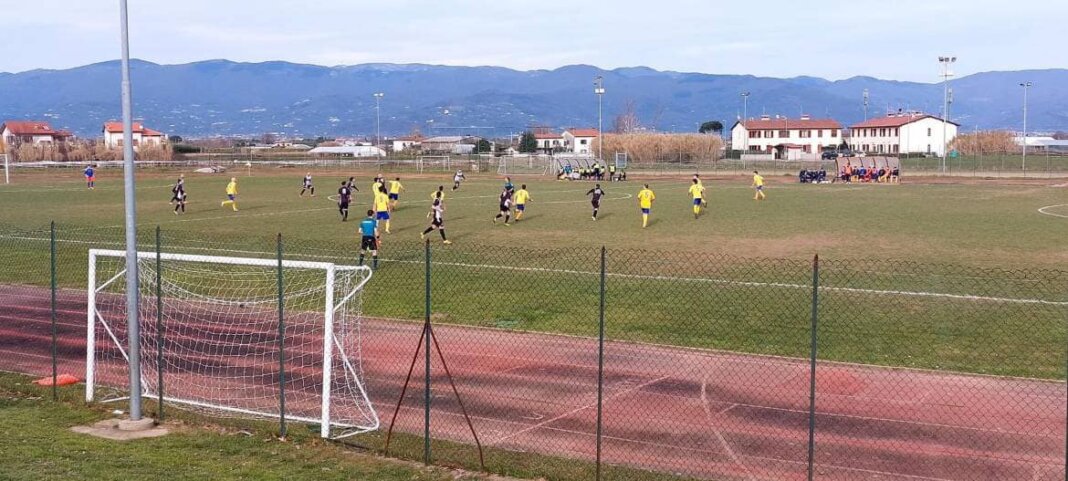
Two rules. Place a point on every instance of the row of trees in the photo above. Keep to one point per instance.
(81, 152)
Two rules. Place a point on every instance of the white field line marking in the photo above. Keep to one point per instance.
(965, 297)
(1042, 210)
(576, 410)
(712, 424)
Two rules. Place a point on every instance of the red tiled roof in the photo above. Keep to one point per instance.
(783, 124)
(583, 132)
(894, 121)
(547, 135)
(138, 127)
(28, 127)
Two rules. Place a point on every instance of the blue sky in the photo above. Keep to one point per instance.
(893, 39)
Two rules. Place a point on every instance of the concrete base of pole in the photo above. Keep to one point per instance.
(123, 429)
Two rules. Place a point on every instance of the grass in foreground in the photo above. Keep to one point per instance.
(38, 445)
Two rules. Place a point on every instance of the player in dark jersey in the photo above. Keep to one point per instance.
(179, 197)
(369, 237)
(506, 207)
(344, 197)
(596, 201)
(178, 187)
(437, 221)
(307, 186)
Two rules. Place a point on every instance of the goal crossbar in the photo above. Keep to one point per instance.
(331, 344)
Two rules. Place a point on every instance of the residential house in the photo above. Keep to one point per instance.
(449, 145)
(549, 141)
(902, 133)
(407, 143)
(785, 138)
(19, 132)
(141, 135)
(580, 141)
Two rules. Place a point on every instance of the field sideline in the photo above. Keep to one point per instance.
(981, 223)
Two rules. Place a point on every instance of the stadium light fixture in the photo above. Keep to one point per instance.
(1023, 163)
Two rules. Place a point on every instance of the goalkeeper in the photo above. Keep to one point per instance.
(369, 238)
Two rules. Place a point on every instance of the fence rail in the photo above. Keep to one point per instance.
(637, 365)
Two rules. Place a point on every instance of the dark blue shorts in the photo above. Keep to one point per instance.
(646, 211)
(521, 207)
(384, 215)
(697, 201)
(394, 196)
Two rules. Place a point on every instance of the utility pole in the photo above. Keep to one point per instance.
(1023, 164)
(745, 117)
(865, 104)
(378, 120)
(946, 74)
(598, 88)
(133, 331)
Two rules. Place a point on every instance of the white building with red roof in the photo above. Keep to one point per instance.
(580, 141)
(902, 133)
(141, 135)
(19, 132)
(785, 138)
(549, 141)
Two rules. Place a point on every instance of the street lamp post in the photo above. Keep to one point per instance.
(745, 117)
(598, 88)
(378, 119)
(946, 74)
(1023, 164)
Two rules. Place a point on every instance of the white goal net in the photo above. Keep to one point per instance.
(213, 336)
(428, 162)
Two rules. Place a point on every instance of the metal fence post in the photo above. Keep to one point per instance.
(55, 341)
(159, 327)
(812, 367)
(600, 363)
(281, 345)
(426, 375)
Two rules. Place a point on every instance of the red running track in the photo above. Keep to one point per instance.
(705, 414)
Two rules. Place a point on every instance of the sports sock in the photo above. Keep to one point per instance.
(645, 220)
(442, 232)
(361, 260)
(374, 262)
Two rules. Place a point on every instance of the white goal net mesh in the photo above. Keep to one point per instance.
(217, 320)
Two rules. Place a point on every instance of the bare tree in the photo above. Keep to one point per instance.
(627, 121)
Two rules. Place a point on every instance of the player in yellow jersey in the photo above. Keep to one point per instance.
(378, 183)
(382, 206)
(697, 191)
(231, 194)
(697, 177)
(395, 188)
(521, 199)
(645, 201)
(758, 184)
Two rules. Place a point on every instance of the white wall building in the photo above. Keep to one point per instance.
(401, 144)
(793, 139)
(580, 141)
(18, 132)
(349, 151)
(141, 135)
(906, 133)
(549, 142)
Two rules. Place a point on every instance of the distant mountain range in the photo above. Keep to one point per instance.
(220, 97)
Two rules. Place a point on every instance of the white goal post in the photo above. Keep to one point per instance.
(7, 168)
(218, 345)
(429, 161)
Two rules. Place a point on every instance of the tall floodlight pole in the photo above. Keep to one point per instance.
(865, 104)
(132, 324)
(378, 119)
(1023, 164)
(745, 117)
(598, 88)
(946, 74)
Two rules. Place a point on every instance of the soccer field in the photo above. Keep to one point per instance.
(974, 222)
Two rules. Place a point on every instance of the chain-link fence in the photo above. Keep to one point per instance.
(579, 363)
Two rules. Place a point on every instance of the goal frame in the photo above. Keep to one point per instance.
(446, 161)
(93, 318)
